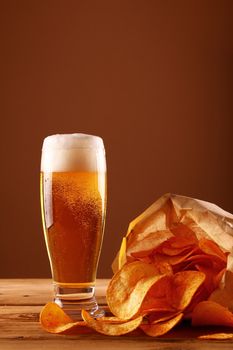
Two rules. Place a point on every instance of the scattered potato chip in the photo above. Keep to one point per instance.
(54, 320)
(128, 288)
(158, 329)
(111, 328)
(216, 336)
(210, 313)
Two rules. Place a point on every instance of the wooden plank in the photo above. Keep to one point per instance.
(37, 291)
(21, 322)
(20, 329)
(113, 344)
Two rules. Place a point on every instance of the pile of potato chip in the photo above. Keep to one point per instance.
(170, 267)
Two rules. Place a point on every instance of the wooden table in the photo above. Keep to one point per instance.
(21, 301)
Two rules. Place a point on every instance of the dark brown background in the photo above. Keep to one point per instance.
(153, 78)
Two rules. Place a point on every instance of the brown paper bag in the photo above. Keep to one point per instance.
(173, 215)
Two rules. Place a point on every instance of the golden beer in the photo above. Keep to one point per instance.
(74, 239)
(73, 201)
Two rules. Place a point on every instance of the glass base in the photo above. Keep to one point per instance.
(73, 300)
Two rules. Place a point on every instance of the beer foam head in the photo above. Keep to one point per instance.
(70, 141)
(73, 152)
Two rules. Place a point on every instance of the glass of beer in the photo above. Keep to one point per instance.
(73, 202)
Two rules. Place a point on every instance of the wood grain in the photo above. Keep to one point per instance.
(113, 344)
(37, 291)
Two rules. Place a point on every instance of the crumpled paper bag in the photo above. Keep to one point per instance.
(168, 215)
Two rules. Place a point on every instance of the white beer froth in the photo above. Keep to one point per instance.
(73, 152)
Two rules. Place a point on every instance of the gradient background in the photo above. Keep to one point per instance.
(153, 78)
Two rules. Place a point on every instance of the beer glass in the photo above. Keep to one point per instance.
(73, 202)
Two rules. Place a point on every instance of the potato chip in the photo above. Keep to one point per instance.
(174, 251)
(129, 286)
(157, 317)
(158, 329)
(160, 289)
(172, 260)
(216, 336)
(211, 248)
(143, 246)
(108, 327)
(218, 278)
(211, 313)
(224, 294)
(137, 256)
(184, 236)
(120, 259)
(110, 319)
(156, 298)
(187, 265)
(208, 260)
(183, 287)
(152, 219)
(199, 296)
(164, 268)
(213, 277)
(155, 305)
(54, 320)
